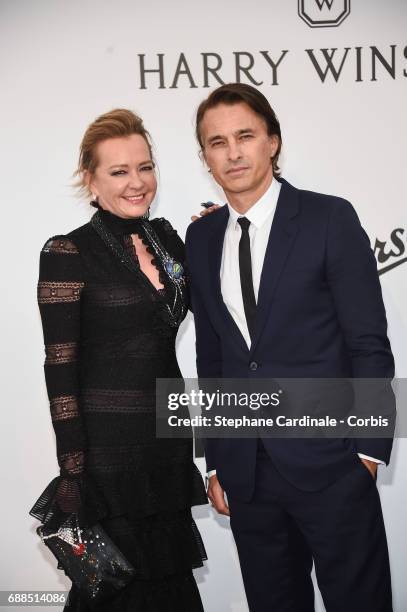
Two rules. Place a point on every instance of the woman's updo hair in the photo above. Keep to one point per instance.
(114, 124)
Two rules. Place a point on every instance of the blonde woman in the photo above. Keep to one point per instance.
(112, 295)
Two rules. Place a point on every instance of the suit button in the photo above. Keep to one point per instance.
(253, 366)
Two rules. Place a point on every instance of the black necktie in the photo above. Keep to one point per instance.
(246, 278)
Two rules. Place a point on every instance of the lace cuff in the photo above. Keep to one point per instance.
(65, 496)
(72, 464)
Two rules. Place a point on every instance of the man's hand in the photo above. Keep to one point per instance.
(217, 496)
(205, 211)
(371, 466)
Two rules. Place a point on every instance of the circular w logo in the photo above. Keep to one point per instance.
(323, 13)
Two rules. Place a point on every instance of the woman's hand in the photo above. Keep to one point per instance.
(206, 211)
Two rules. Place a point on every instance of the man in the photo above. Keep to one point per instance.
(284, 284)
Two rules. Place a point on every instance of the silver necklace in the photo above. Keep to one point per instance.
(173, 269)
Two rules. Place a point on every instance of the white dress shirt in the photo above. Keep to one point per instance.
(261, 216)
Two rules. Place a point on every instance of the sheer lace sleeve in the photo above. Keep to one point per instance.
(59, 297)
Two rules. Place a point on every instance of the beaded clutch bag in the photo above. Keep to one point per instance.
(90, 559)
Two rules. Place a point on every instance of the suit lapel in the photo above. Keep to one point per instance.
(282, 235)
(215, 249)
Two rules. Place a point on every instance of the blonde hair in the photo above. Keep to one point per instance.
(114, 124)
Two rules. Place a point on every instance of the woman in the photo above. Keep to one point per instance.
(112, 295)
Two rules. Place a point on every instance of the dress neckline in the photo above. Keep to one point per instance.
(114, 232)
(120, 226)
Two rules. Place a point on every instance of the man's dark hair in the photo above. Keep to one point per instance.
(235, 93)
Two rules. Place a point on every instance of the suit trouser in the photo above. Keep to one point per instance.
(283, 529)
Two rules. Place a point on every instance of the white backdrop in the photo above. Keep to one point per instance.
(64, 63)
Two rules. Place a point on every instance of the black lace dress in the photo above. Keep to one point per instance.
(108, 335)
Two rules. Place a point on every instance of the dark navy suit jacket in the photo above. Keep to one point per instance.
(320, 314)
